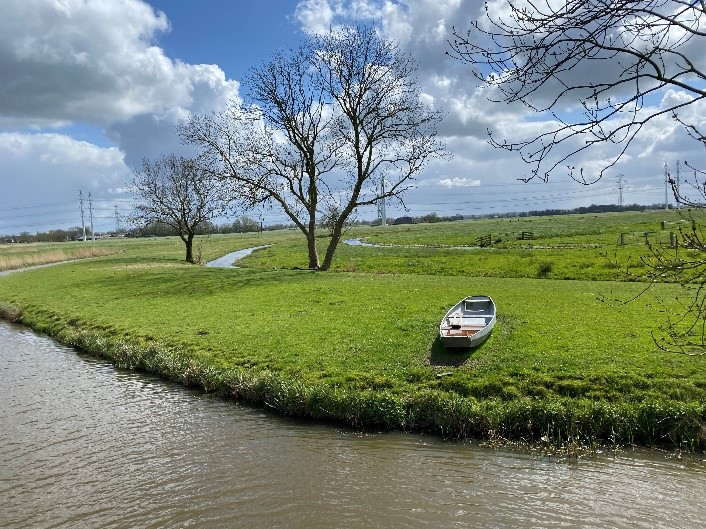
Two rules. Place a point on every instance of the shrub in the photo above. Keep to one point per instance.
(544, 269)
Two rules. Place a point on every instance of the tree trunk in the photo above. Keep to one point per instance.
(329, 252)
(189, 248)
(311, 232)
(333, 244)
(313, 254)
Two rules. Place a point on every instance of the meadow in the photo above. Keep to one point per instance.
(569, 364)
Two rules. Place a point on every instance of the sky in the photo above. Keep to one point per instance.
(88, 88)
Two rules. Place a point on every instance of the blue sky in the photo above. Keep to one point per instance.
(234, 35)
(91, 87)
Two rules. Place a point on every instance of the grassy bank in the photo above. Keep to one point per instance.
(361, 347)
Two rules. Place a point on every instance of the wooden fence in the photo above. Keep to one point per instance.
(484, 241)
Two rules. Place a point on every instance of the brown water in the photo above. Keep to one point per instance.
(85, 446)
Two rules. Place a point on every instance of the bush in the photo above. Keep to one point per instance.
(544, 269)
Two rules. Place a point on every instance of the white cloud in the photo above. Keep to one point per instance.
(43, 173)
(153, 134)
(76, 60)
(68, 64)
(458, 181)
(319, 16)
(316, 16)
(57, 150)
(96, 62)
(91, 64)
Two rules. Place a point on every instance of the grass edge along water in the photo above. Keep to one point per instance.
(571, 390)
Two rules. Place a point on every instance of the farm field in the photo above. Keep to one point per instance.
(568, 364)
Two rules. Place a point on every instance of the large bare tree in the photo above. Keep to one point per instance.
(178, 192)
(594, 65)
(333, 125)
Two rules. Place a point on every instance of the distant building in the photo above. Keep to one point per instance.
(404, 220)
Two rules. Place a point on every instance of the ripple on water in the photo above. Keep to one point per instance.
(84, 445)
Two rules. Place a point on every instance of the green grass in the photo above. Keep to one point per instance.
(360, 346)
(582, 247)
(562, 231)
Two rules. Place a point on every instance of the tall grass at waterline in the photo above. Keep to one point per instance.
(206, 248)
(362, 348)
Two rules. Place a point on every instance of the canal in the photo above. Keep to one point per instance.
(83, 445)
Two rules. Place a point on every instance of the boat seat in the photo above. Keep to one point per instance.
(473, 321)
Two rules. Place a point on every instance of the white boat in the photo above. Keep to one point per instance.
(468, 323)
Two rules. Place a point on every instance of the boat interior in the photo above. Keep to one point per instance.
(470, 317)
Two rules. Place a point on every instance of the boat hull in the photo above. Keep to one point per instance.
(468, 323)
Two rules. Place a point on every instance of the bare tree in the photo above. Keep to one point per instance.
(329, 121)
(176, 191)
(609, 59)
(604, 57)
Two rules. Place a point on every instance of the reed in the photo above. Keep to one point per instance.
(40, 255)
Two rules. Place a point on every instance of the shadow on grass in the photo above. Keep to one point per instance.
(182, 281)
(443, 356)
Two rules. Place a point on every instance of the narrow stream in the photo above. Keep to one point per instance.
(229, 259)
(83, 445)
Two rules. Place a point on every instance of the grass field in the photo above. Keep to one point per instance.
(359, 344)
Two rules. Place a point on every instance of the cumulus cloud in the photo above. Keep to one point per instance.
(76, 60)
(421, 28)
(93, 64)
(55, 150)
(97, 62)
(458, 181)
(71, 63)
(319, 16)
(153, 134)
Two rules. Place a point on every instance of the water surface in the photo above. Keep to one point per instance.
(229, 259)
(85, 446)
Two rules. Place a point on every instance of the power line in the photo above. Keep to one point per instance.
(55, 204)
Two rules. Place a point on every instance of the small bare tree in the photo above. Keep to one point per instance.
(605, 58)
(329, 121)
(177, 192)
